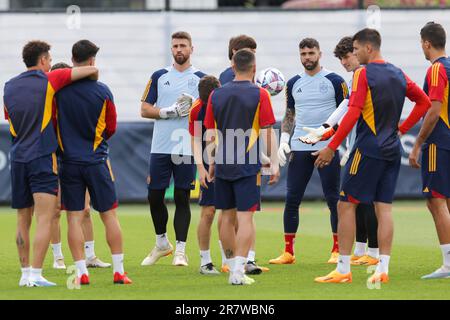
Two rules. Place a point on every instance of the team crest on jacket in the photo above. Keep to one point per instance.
(192, 83)
(323, 87)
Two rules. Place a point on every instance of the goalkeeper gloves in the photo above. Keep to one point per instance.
(179, 109)
(284, 148)
(315, 135)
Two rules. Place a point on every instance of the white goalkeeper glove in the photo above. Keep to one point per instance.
(186, 98)
(315, 135)
(345, 158)
(174, 111)
(284, 148)
(179, 109)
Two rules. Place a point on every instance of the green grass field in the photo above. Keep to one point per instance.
(416, 252)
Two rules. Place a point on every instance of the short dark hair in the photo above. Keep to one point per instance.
(182, 35)
(241, 42)
(368, 35)
(244, 60)
(33, 51)
(60, 65)
(344, 47)
(435, 34)
(84, 50)
(206, 85)
(309, 43)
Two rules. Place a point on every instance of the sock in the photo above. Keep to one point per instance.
(181, 246)
(224, 257)
(383, 265)
(81, 268)
(162, 241)
(239, 264)
(231, 262)
(335, 243)
(89, 249)
(446, 254)
(35, 274)
(118, 263)
(205, 257)
(251, 255)
(343, 266)
(57, 252)
(289, 240)
(182, 217)
(360, 249)
(373, 252)
(26, 272)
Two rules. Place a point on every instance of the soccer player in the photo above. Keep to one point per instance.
(312, 97)
(88, 231)
(378, 94)
(435, 141)
(86, 120)
(197, 130)
(34, 181)
(240, 111)
(237, 43)
(366, 220)
(167, 99)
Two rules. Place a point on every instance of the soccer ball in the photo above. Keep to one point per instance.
(272, 80)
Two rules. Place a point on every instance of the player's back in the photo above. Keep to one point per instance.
(86, 117)
(28, 101)
(378, 126)
(240, 109)
(236, 103)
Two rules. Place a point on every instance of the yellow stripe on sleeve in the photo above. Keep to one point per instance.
(147, 91)
(355, 79)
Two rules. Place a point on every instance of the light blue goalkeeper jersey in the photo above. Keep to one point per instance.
(171, 136)
(314, 99)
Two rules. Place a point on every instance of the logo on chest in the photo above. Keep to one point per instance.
(323, 87)
(192, 83)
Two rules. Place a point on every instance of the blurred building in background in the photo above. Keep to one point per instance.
(215, 4)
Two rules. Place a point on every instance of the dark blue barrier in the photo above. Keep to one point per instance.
(130, 150)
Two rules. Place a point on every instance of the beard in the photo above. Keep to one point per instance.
(180, 59)
(311, 65)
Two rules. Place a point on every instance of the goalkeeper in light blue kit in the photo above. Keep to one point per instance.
(366, 220)
(167, 99)
(312, 97)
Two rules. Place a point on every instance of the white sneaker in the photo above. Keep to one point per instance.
(96, 263)
(441, 273)
(208, 269)
(41, 282)
(180, 259)
(59, 264)
(156, 254)
(23, 280)
(238, 278)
